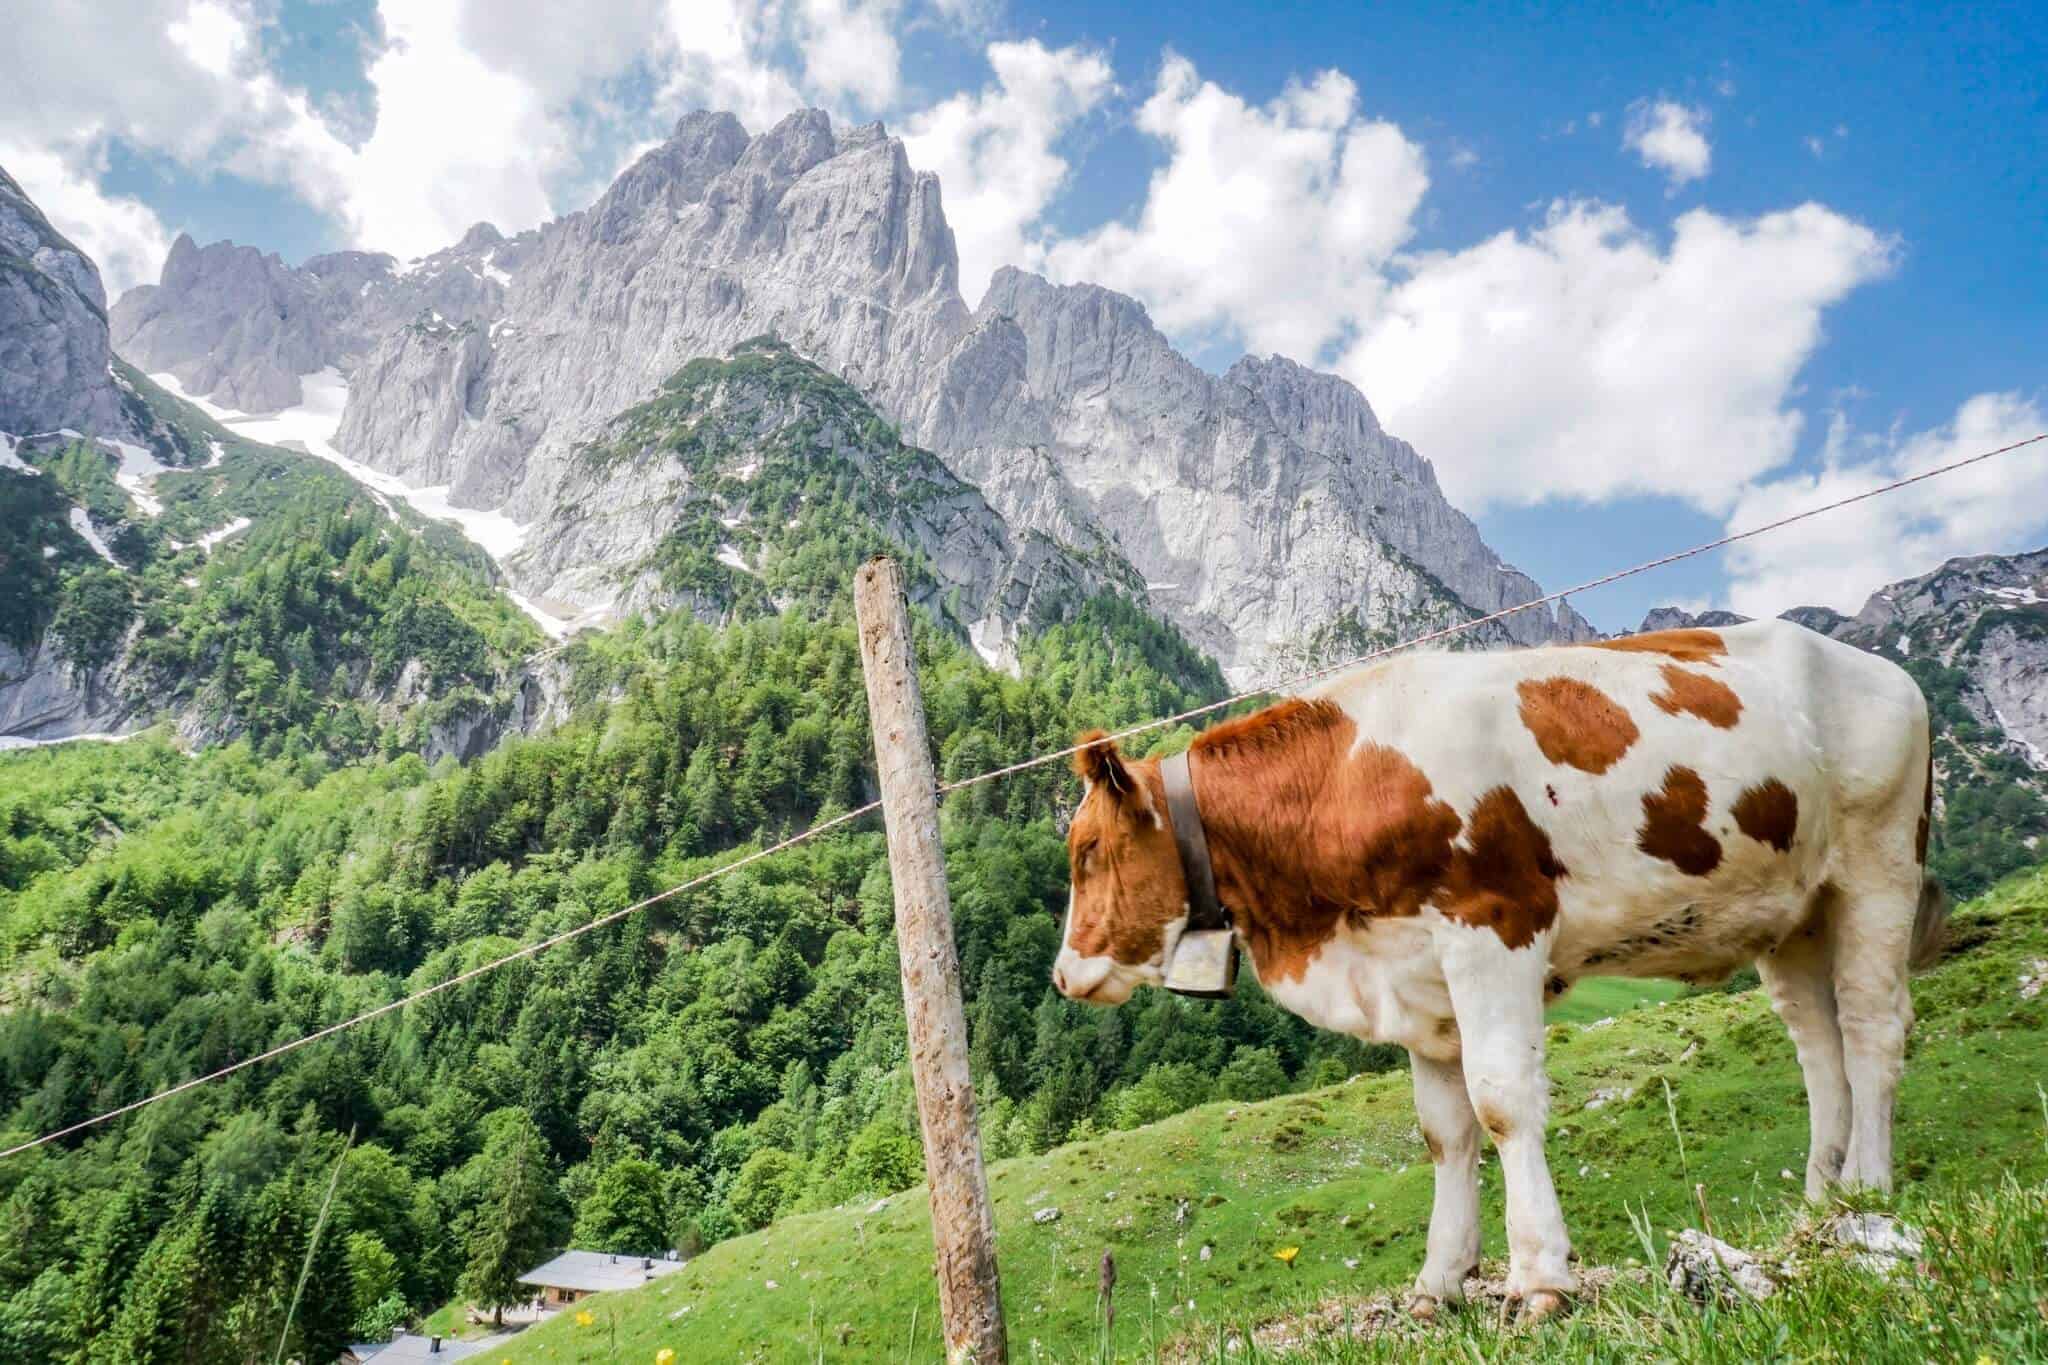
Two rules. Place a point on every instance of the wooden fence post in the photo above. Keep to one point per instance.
(963, 1222)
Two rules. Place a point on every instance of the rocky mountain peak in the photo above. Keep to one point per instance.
(480, 237)
(1264, 507)
(671, 175)
(1678, 618)
(1325, 407)
(757, 481)
(802, 140)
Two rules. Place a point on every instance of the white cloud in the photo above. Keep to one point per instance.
(1668, 137)
(1837, 560)
(59, 119)
(559, 50)
(479, 108)
(717, 59)
(1585, 359)
(180, 107)
(849, 51)
(993, 151)
(1266, 222)
(123, 236)
(456, 140)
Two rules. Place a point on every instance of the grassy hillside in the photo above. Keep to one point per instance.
(1339, 1173)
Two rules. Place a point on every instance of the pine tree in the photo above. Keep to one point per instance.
(515, 1230)
(106, 1261)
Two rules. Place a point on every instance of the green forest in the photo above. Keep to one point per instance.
(689, 1073)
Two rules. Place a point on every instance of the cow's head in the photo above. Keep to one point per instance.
(1128, 899)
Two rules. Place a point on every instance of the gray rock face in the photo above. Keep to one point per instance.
(1266, 503)
(43, 697)
(242, 326)
(53, 327)
(1987, 616)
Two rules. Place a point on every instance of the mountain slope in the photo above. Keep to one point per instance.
(759, 482)
(245, 591)
(1268, 503)
(1194, 1208)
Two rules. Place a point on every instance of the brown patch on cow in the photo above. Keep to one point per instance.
(1506, 878)
(1692, 645)
(1926, 813)
(1696, 694)
(1127, 878)
(1768, 813)
(1436, 1147)
(1494, 1122)
(1575, 723)
(1305, 834)
(1674, 827)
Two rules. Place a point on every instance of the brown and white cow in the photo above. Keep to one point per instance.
(1429, 850)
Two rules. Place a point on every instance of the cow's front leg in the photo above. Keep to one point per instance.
(1444, 1113)
(1497, 995)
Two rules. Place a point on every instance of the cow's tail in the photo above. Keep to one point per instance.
(1930, 925)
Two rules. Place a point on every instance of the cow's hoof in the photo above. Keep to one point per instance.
(1544, 1303)
(1423, 1307)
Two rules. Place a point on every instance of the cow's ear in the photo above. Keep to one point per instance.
(1099, 764)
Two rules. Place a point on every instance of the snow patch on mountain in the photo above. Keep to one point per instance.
(82, 523)
(309, 427)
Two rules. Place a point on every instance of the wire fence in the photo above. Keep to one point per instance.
(1041, 760)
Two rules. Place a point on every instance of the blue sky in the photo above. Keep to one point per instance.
(1628, 281)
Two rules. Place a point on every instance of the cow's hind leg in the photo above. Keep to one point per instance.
(1799, 975)
(1874, 1007)
(1444, 1113)
(1497, 995)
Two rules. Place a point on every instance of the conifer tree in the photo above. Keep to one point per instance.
(518, 1225)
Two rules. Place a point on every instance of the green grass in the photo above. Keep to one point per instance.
(1340, 1174)
(1975, 1297)
(446, 1321)
(1605, 996)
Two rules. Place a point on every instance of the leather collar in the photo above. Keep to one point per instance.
(1204, 910)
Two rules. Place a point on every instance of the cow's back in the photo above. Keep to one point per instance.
(1696, 787)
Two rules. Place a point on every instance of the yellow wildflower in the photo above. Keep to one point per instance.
(1287, 1255)
(665, 1356)
(583, 1317)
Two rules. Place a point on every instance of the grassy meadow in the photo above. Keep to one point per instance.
(1648, 1103)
